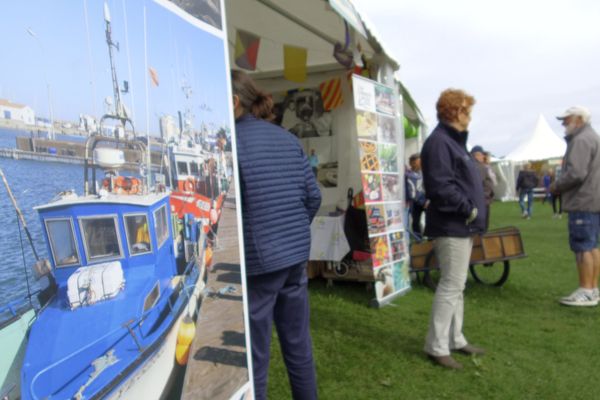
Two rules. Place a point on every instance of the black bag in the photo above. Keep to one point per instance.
(355, 226)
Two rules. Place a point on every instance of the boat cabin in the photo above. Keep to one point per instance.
(92, 230)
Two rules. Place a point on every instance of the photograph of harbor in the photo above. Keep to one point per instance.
(119, 186)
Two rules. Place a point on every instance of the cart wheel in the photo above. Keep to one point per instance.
(431, 275)
(341, 268)
(488, 274)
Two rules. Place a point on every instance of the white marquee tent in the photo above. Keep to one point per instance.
(542, 144)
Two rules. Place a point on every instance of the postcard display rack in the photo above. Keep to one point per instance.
(380, 147)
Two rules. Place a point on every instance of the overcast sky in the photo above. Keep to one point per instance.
(519, 58)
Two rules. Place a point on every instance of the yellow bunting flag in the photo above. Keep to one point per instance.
(294, 63)
(331, 93)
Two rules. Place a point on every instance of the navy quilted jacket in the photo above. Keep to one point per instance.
(280, 196)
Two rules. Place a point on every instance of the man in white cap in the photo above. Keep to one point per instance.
(579, 185)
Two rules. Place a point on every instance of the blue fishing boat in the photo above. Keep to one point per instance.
(128, 277)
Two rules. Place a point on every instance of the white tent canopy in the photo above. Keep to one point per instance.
(542, 144)
(311, 24)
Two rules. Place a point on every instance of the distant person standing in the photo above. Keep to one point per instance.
(415, 179)
(526, 182)
(456, 211)
(314, 161)
(579, 185)
(556, 197)
(280, 198)
(486, 180)
(487, 159)
(546, 181)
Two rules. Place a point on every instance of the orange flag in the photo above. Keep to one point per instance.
(153, 76)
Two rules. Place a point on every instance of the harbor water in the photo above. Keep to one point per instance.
(32, 183)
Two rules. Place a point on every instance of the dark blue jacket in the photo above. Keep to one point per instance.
(280, 196)
(452, 184)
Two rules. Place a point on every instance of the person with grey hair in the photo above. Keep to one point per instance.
(579, 186)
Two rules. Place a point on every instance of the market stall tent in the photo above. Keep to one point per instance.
(320, 28)
(316, 26)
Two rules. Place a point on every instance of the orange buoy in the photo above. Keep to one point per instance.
(189, 185)
(208, 253)
(135, 186)
(182, 353)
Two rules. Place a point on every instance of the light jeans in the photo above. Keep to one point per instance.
(529, 194)
(445, 326)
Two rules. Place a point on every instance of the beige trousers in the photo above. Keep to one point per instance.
(445, 326)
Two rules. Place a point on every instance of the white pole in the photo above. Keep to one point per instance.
(147, 103)
(90, 59)
(39, 42)
(129, 61)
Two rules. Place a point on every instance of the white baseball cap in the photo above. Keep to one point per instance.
(578, 111)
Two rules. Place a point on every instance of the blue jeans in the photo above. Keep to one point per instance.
(529, 194)
(282, 296)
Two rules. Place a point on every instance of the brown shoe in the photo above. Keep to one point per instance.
(470, 350)
(445, 361)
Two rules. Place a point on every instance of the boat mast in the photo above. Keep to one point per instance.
(115, 82)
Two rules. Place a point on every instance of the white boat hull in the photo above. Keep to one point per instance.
(153, 379)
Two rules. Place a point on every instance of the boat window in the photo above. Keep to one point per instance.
(62, 242)
(152, 297)
(161, 225)
(193, 168)
(138, 235)
(101, 237)
(182, 168)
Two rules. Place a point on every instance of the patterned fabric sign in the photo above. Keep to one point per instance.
(331, 93)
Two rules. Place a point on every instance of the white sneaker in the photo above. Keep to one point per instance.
(596, 294)
(525, 215)
(580, 298)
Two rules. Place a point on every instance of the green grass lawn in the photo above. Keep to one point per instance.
(537, 349)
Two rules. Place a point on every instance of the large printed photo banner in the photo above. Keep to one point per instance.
(379, 146)
(151, 71)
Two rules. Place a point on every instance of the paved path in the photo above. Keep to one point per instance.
(217, 366)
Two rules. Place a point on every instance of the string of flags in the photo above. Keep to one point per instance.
(247, 46)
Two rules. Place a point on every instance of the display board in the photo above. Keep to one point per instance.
(379, 138)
